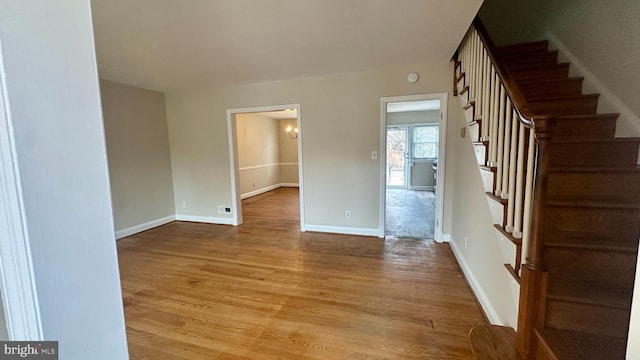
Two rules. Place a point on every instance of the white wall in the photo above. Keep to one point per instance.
(258, 152)
(52, 88)
(633, 345)
(340, 117)
(137, 138)
(472, 220)
(603, 35)
(288, 152)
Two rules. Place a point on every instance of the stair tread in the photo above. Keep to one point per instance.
(563, 97)
(593, 202)
(532, 46)
(508, 235)
(536, 66)
(571, 117)
(497, 198)
(587, 293)
(595, 169)
(573, 345)
(585, 240)
(568, 139)
(545, 81)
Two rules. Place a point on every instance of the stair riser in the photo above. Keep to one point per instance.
(474, 131)
(538, 46)
(587, 184)
(575, 106)
(533, 59)
(597, 153)
(597, 220)
(587, 318)
(602, 270)
(587, 128)
(555, 88)
(542, 73)
(481, 153)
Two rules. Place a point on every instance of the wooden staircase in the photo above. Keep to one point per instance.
(577, 280)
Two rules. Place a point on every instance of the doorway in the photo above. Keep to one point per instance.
(265, 150)
(412, 170)
(397, 157)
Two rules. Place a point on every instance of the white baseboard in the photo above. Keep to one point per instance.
(628, 122)
(342, 230)
(488, 308)
(446, 238)
(267, 189)
(143, 227)
(259, 191)
(205, 219)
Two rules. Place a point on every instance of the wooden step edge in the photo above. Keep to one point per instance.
(474, 122)
(496, 198)
(488, 168)
(525, 82)
(470, 104)
(464, 90)
(592, 247)
(491, 342)
(595, 169)
(574, 345)
(537, 45)
(460, 77)
(485, 143)
(560, 139)
(589, 202)
(536, 67)
(508, 235)
(564, 98)
(585, 116)
(512, 272)
(609, 303)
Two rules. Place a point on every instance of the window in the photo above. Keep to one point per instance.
(425, 142)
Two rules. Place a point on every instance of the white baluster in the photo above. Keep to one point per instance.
(517, 221)
(507, 151)
(528, 193)
(486, 101)
(494, 118)
(515, 126)
(499, 152)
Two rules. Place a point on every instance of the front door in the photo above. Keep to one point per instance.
(397, 157)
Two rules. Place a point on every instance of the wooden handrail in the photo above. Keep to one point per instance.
(514, 94)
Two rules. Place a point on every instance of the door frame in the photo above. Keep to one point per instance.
(17, 278)
(236, 203)
(407, 161)
(442, 144)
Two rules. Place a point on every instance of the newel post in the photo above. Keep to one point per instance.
(533, 288)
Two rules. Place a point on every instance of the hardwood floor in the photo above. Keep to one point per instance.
(263, 290)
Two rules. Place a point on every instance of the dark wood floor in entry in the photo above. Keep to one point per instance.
(263, 290)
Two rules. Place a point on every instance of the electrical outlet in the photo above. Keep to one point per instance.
(347, 214)
(465, 242)
(184, 204)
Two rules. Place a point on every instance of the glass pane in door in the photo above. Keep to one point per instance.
(396, 172)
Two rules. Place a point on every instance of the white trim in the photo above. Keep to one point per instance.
(144, 226)
(19, 292)
(594, 84)
(422, 188)
(266, 165)
(446, 238)
(342, 230)
(442, 145)
(482, 297)
(236, 205)
(205, 219)
(259, 191)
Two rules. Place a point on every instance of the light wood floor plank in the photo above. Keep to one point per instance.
(263, 290)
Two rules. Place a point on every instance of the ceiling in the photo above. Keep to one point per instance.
(169, 45)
